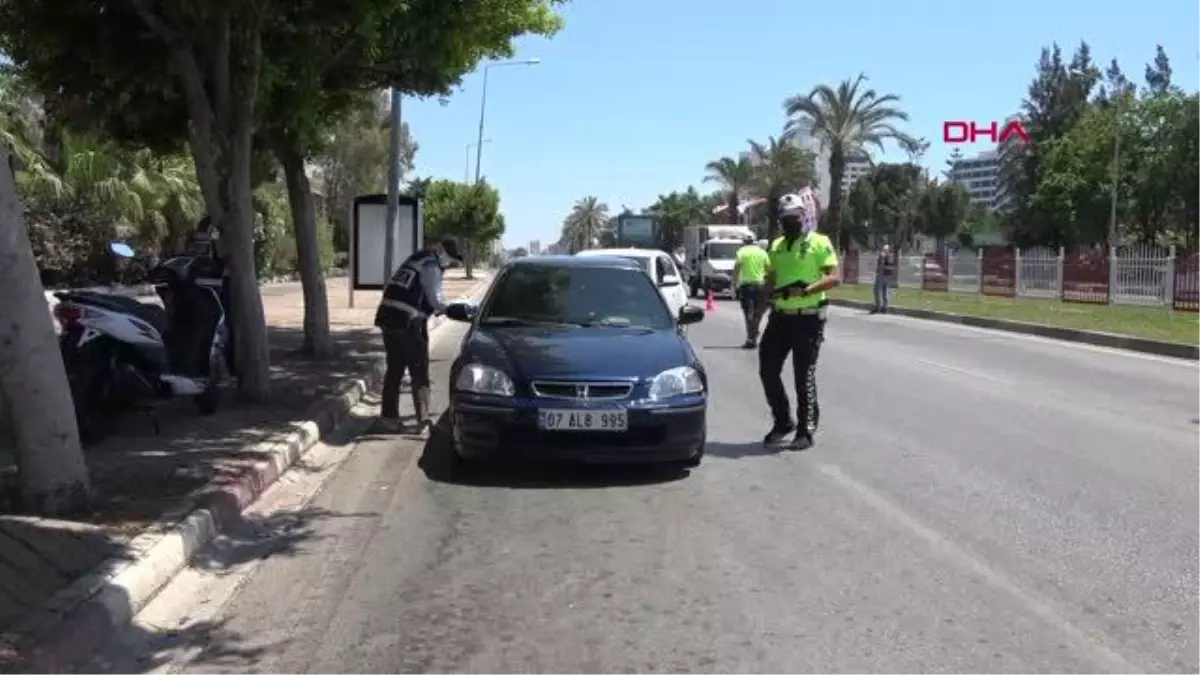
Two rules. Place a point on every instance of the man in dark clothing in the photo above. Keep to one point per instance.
(885, 278)
(410, 297)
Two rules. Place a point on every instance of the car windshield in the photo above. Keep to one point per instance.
(583, 296)
(723, 250)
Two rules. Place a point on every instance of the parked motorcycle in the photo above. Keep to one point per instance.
(120, 353)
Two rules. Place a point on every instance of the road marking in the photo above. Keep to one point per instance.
(1090, 645)
(964, 371)
(929, 324)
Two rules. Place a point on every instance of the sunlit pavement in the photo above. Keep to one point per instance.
(976, 502)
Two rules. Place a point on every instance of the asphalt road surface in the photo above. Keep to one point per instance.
(976, 502)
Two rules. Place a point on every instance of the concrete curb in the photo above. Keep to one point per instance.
(77, 620)
(1136, 344)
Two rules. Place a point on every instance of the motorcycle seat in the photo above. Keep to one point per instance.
(152, 314)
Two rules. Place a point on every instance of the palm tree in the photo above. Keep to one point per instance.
(734, 177)
(586, 220)
(779, 167)
(845, 120)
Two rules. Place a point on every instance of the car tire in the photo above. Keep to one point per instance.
(208, 402)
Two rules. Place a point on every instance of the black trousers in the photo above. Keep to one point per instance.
(798, 335)
(753, 299)
(407, 349)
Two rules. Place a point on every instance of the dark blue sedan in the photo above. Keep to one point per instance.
(577, 358)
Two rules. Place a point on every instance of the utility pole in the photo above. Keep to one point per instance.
(393, 193)
(1116, 178)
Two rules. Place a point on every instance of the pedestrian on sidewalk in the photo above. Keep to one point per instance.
(749, 277)
(885, 278)
(410, 297)
(803, 266)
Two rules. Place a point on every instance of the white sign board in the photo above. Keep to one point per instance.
(368, 234)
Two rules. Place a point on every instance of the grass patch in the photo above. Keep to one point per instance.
(1155, 323)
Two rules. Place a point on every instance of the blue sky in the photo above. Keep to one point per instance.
(633, 97)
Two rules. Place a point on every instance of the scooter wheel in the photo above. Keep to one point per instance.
(208, 402)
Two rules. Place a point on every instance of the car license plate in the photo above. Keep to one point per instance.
(582, 420)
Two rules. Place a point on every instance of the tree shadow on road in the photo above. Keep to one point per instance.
(441, 464)
(85, 627)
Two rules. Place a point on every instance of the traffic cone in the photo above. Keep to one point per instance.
(709, 305)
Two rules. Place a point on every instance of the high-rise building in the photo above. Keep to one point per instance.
(857, 166)
(980, 177)
(535, 247)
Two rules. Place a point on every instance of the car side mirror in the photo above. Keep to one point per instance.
(460, 311)
(670, 280)
(689, 314)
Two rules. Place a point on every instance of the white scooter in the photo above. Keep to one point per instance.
(120, 353)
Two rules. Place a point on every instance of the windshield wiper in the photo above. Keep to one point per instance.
(514, 321)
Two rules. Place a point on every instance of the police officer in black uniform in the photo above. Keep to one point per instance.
(411, 296)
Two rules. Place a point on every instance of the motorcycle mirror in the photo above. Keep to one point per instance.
(121, 248)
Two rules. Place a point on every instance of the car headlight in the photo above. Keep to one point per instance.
(479, 379)
(676, 382)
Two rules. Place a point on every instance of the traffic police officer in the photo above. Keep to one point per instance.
(749, 275)
(411, 296)
(803, 266)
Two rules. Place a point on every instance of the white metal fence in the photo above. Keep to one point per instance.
(1138, 275)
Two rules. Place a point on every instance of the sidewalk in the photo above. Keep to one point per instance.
(138, 476)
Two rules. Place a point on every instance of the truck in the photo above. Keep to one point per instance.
(710, 251)
(634, 231)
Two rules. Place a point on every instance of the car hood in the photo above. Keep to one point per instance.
(620, 353)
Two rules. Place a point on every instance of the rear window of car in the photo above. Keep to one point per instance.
(609, 296)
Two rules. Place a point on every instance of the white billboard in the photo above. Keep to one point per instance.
(368, 236)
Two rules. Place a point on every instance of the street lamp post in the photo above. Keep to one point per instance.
(483, 106)
(393, 193)
(467, 166)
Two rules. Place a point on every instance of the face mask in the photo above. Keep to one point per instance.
(790, 226)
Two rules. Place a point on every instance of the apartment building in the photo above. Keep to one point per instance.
(980, 176)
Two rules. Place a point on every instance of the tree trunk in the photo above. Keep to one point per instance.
(33, 382)
(733, 206)
(308, 254)
(833, 210)
(249, 324)
(468, 256)
(218, 69)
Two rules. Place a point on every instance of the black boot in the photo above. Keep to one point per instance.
(421, 408)
(777, 436)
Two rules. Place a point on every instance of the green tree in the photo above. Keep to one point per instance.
(734, 177)
(470, 213)
(222, 58)
(676, 211)
(1057, 100)
(941, 210)
(846, 120)
(353, 161)
(587, 218)
(779, 167)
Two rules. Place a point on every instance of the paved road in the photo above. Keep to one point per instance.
(977, 502)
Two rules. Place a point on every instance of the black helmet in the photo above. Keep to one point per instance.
(450, 246)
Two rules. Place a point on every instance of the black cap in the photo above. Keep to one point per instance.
(749, 239)
(450, 246)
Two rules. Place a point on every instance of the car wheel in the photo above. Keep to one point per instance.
(208, 402)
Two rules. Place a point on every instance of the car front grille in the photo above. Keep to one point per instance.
(591, 391)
